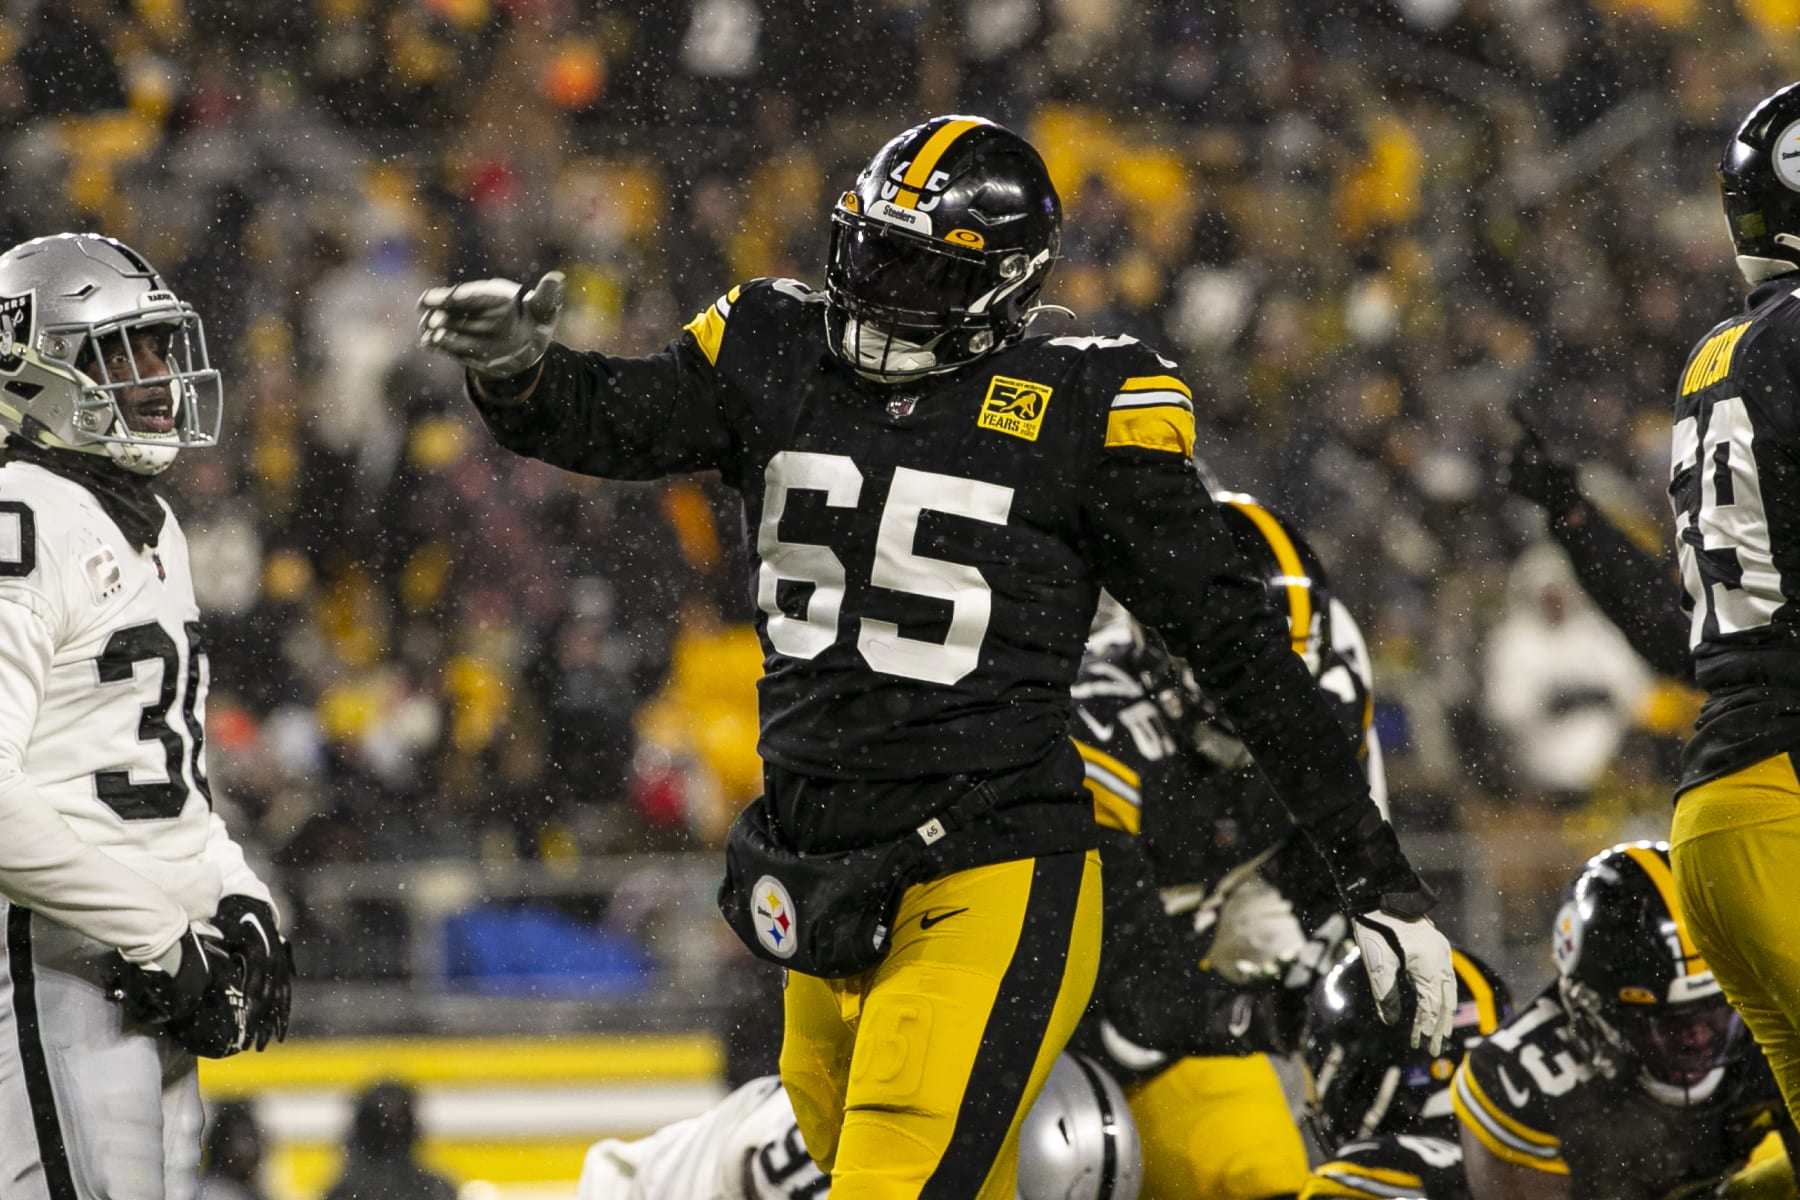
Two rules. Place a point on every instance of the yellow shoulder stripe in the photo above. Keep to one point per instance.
(1325, 1186)
(1299, 587)
(1155, 383)
(1497, 1131)
(1113, 811)
(1100, 758)
(1163, 427)
(1347, 1174)
(708, 327)
(1506, 1120)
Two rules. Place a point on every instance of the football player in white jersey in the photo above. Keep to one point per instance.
(1078, 1142)
(135, 935)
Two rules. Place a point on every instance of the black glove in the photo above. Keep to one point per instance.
(247, 926)
(1533, 472)
(152, 996)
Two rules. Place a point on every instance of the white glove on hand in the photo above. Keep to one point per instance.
(494, 327)
(1256, 931)
(1399, 953)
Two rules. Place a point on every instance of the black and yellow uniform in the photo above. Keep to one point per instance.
(1736, 494)
(927, 563)
(1175, 813)
(1394, 1167)
(1532, 1097)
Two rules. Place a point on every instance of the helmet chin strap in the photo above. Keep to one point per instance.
(142, 458)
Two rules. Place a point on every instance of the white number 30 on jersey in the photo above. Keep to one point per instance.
(896, 566)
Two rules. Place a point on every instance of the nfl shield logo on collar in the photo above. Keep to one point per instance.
(902, 406)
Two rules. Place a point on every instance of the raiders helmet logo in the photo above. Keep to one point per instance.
(15, 331)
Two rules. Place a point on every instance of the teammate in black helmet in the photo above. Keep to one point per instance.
(1629, 1075)
(1735, 492)
(1381, 1111)
(936, 499)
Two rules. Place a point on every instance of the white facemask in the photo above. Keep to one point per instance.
(881, 354)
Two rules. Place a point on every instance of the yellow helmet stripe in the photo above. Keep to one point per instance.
(1664, 879)
(1299, 589)
(919, 173)
(1487, 1014)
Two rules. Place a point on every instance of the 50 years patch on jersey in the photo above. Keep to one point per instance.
(1014, 406)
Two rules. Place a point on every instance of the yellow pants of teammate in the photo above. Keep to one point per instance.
(1219, 1128)
(910, 1080)
(1735, 848)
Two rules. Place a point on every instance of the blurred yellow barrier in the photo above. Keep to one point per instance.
(352, 1064)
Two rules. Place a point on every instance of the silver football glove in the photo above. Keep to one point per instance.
(1399, 953)
(494, 327)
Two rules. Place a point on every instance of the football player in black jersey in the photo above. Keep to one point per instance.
(936, 500)
(1202, 866)
(1735, 490)
(1380, 1110)
(1627, 1077)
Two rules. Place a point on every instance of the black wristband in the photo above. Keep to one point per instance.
(507, 387)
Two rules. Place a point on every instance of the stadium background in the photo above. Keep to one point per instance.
(484, 723)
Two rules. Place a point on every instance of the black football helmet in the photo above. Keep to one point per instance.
(1759, 180)
(1639, 995)
(939, 252)
(1298, 588)
(1367, 1080)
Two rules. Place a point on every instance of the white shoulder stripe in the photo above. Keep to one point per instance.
(1151, 400)
(1367, 1184)
(1113, 783)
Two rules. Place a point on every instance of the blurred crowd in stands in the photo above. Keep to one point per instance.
(1369, 230)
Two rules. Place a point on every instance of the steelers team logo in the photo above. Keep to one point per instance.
(1786, 156)
(775, 916)
(1565, 944)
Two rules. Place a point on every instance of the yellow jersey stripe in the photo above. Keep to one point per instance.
(918, 174)
(1155, 383)
(1487, 1014)
(1507, 1122)
(1130, 778)
(1163, 427)
(1299, 586)
(1377, 1182)
(1497, 1128)
(708, 327)
(1113, 811)
(1660, 875)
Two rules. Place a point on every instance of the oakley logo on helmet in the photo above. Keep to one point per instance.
(15, 331)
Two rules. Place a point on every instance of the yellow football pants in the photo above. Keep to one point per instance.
(1219, 1128)
(909, 1081)
(1735, 848)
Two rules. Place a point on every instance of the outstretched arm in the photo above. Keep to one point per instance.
(1631, 587)
(594, 414)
